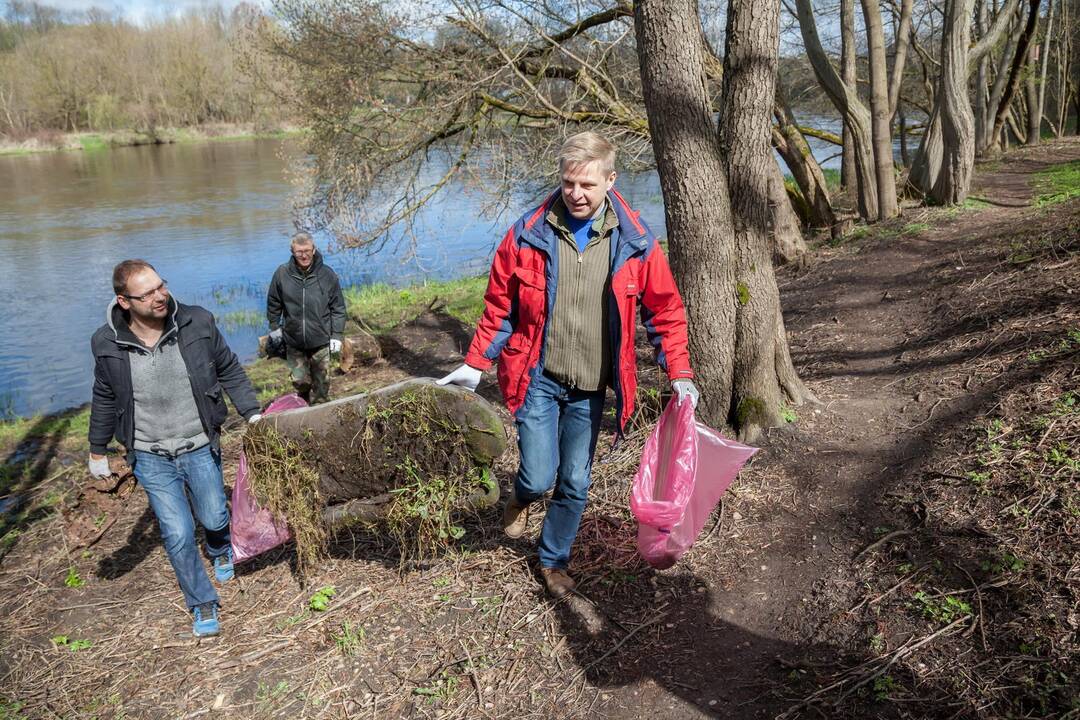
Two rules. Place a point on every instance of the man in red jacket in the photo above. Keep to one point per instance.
(559, 310)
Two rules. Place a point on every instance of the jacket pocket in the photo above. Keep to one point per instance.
(218, 409)
(531, 296)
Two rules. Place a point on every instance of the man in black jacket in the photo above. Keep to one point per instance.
(159, 370)
(306, 308)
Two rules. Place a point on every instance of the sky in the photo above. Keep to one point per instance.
(140, 10)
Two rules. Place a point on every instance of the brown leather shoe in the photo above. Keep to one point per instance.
(514, 518)
(556, 580)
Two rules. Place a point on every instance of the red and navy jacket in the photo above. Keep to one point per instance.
(521, 294)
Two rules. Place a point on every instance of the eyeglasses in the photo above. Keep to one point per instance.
(303, 253)
(162, 288)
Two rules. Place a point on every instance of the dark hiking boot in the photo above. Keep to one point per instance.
(514, 518)
(557, 582)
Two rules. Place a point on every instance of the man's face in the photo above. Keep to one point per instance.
(584, 187)
(146, 296)
(304, 255)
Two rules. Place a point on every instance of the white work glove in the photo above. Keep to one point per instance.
(275, 334)
(466, 376)
(335, 347)
(686, 389)
(254, 418)
(99, 467)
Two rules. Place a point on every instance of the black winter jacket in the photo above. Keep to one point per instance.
(308, 307)
(211, 366)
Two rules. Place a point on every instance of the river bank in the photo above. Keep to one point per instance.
(55, 141)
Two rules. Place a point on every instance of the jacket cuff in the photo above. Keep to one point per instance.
(680, 374)
(477, 361)
(99, 449)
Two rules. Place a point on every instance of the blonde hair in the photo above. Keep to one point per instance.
(587, 147)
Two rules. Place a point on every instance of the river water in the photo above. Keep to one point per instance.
(214, 219)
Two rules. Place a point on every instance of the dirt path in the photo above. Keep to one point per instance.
(864, 323)
(903, 336)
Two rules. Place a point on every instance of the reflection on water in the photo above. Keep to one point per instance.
(213, 219)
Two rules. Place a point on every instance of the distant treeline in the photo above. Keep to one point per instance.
(94, 71)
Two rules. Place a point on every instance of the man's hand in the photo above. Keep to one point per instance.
(686, 389)
(99, 466)
(275, 334)
(466, 376)
(254, 418)
(335, 347)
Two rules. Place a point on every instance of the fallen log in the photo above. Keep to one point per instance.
(408, 458)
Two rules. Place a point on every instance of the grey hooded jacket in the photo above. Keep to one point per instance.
(212, 367)
(308, 307)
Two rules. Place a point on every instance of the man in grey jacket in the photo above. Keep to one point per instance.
(306, 308)
(159, 371)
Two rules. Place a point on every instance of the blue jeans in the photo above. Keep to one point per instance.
(168, 483)
(557, 429)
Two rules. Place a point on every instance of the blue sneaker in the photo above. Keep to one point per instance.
(206, 620)
(223, 567)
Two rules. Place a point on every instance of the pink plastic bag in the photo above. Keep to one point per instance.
(685, 467)
(253, 529)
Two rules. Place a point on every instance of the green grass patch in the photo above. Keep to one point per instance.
(383, 307)
(970, 204)
(236, 319)
(270, 378)
(1057, 184)
(72, 427)
(832, 179)
(916, 228)
(859, 232)
(93, 143)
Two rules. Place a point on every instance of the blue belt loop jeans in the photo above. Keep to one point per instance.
(557, 430)
(168, 483)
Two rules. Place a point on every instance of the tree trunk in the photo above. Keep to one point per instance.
(982, 80)
(946, 159)
(1041, 101)
(1019, 59)
(846, 100)
(880, 111)
(750, 60)
(997, 90)
(792, 146)
(1065, 61)
(1063, 64)
(1031, 97)
(904, 159)
(847, 75)
(901, 42)
(788, 244)
(722, 265)
(942, 168)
